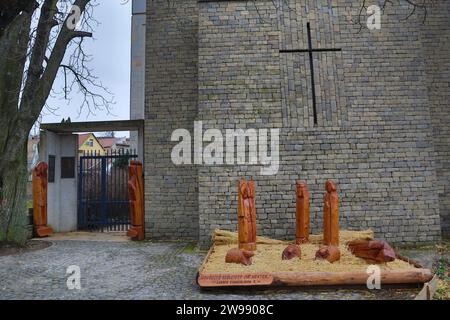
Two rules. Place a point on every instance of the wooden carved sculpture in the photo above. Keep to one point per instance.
(302, 213)
(247, 215)
(331, 215)
(40, 186)
(136, 198)
(373, 251)
(292, 251)
(239, 256)
(329, 253)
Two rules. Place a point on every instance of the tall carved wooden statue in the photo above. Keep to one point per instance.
(40, 185)
(136, 198)
(331, 215)
(302, 214)
(247, 215)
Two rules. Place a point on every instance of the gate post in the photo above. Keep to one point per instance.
(40, 185)
(103, 205)
(136, 197)
(80, 195)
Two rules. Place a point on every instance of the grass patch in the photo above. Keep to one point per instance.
(443, 248)
(442, 270)
(191, 248)
(443, 291)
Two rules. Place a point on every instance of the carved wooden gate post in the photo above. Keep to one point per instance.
(302, 214)
(331, 215)
(247, 215)
(136, 197)
(40, 186)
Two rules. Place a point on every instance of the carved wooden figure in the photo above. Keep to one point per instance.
(302, 213)
(331, 215)
(239, 256)
(373, 251)
(40, 186)
(292, 251)
(247, 215)
(329, 253)
(136, 198)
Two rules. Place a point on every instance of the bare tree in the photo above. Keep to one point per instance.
(109, 134)
(35, 36)
(416, 7)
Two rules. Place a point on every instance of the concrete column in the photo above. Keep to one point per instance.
(137, 94)
(62, 192)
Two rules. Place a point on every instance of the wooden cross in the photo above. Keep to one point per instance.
(310, 51)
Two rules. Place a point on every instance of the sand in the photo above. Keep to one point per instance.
(220, 237)
(268, 259)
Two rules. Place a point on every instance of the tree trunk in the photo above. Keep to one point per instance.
(13, 204)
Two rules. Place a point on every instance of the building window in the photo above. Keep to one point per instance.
(90, 143)
(51, 168)
(67, 167)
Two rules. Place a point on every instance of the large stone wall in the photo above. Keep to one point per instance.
(137, 85)
(171, 196)
(377, 143)
(382, 133)
(436, 40)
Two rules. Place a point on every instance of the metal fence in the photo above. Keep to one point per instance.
(103, 203)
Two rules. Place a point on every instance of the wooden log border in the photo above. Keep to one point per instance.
(429, 290)
(310, 279)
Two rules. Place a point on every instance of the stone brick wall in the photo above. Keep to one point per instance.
(436, 40)
(171, 196)
(383, 128)
(239, 88)
(377, 144)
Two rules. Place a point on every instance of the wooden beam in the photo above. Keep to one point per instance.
(94, 126)
(429, 289)
(349, 278)
(308, 279)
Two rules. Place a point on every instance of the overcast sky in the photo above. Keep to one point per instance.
(110, 50)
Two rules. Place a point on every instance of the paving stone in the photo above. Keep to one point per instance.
(129, 270)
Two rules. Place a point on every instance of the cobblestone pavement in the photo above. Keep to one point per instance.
(129, 270)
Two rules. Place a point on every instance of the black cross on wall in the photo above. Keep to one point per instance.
(310, 51)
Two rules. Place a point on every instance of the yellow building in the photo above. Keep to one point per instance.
(88, 143)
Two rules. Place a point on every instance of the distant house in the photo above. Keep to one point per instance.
(123, 144)
(89, 143)
(114, 144)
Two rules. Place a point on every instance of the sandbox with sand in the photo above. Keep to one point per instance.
(268, 268)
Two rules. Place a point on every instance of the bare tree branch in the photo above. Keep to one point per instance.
(45, 25)
(33, 100)
(416, 6)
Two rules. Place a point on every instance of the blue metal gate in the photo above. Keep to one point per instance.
(103, 203)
